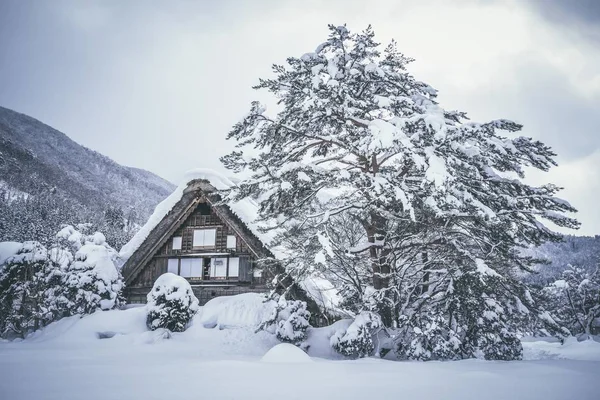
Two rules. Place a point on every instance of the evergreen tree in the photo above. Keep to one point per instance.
(93, 281)
(22, 283)
(440, 200)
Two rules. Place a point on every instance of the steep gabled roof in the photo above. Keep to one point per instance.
(140, 250)
(205, 185)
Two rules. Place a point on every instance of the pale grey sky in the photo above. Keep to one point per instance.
(156, 84)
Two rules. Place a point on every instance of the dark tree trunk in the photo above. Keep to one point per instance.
(425, 286)
(381, 269)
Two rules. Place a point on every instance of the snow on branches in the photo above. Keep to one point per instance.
(358, 142)
(77, 275)
(289, 320)
(171, 303)
(357, 340)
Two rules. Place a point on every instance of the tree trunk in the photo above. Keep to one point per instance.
(381, 269)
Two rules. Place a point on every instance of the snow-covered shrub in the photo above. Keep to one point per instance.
(93, 281)
(357, 340)
(288, 320)
(293, 322)
(22, 307)
(432, 339)
(171, 303)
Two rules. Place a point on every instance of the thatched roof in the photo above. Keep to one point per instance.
(197, 190)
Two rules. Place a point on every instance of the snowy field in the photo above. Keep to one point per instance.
(69, 361)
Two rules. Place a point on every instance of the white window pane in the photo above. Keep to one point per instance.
(210, 236)
(199, 237)
(218, 268)
(231, 242)
(186, 267)
(234, 267)
(173, 265)
(177, 243)
(196, 267)
(205, 237)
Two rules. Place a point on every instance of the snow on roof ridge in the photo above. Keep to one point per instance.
(218, 180)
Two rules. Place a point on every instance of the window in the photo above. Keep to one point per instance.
(176, 242)
(173, 265)
(191, 267)
(234, 267)
(231, 242)
(205, 237)
(218, 268)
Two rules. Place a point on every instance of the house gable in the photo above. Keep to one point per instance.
(199, 209)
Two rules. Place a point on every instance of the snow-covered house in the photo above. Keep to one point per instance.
(194, 235)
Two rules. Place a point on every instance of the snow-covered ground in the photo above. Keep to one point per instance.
(67, 360)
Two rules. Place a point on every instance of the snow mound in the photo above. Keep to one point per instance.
(318, 339)
(286, 353)
(99, 325)
(174, 287)
(242, 310)
(587, 350)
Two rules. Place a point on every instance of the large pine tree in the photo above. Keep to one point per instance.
(441, 201)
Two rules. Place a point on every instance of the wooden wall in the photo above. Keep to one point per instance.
(201, 218)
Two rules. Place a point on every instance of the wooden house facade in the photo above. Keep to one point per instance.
(203, 241)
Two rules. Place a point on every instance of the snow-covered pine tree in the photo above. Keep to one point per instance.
(171, 304)
(438, 197)
(22, 286)
(93, 281)
(576, 300)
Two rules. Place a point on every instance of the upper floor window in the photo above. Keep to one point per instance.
(205, 237)
(177, 243)
(231, 242)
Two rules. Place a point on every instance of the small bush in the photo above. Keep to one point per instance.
(171, 304)
(288, 321)
(357, 340)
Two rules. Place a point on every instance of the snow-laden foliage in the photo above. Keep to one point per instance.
(357, 340)
(93, 281)
(22, 302)
(171, 303)
(575, 299)
(432, 339)
(434, 208)
(473, 319)
(77, 275)
(289, 320)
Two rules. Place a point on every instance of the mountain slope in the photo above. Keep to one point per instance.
(36, 159)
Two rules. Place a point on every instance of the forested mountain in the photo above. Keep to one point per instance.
(47, 179)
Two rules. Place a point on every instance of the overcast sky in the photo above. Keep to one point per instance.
(157, 85)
